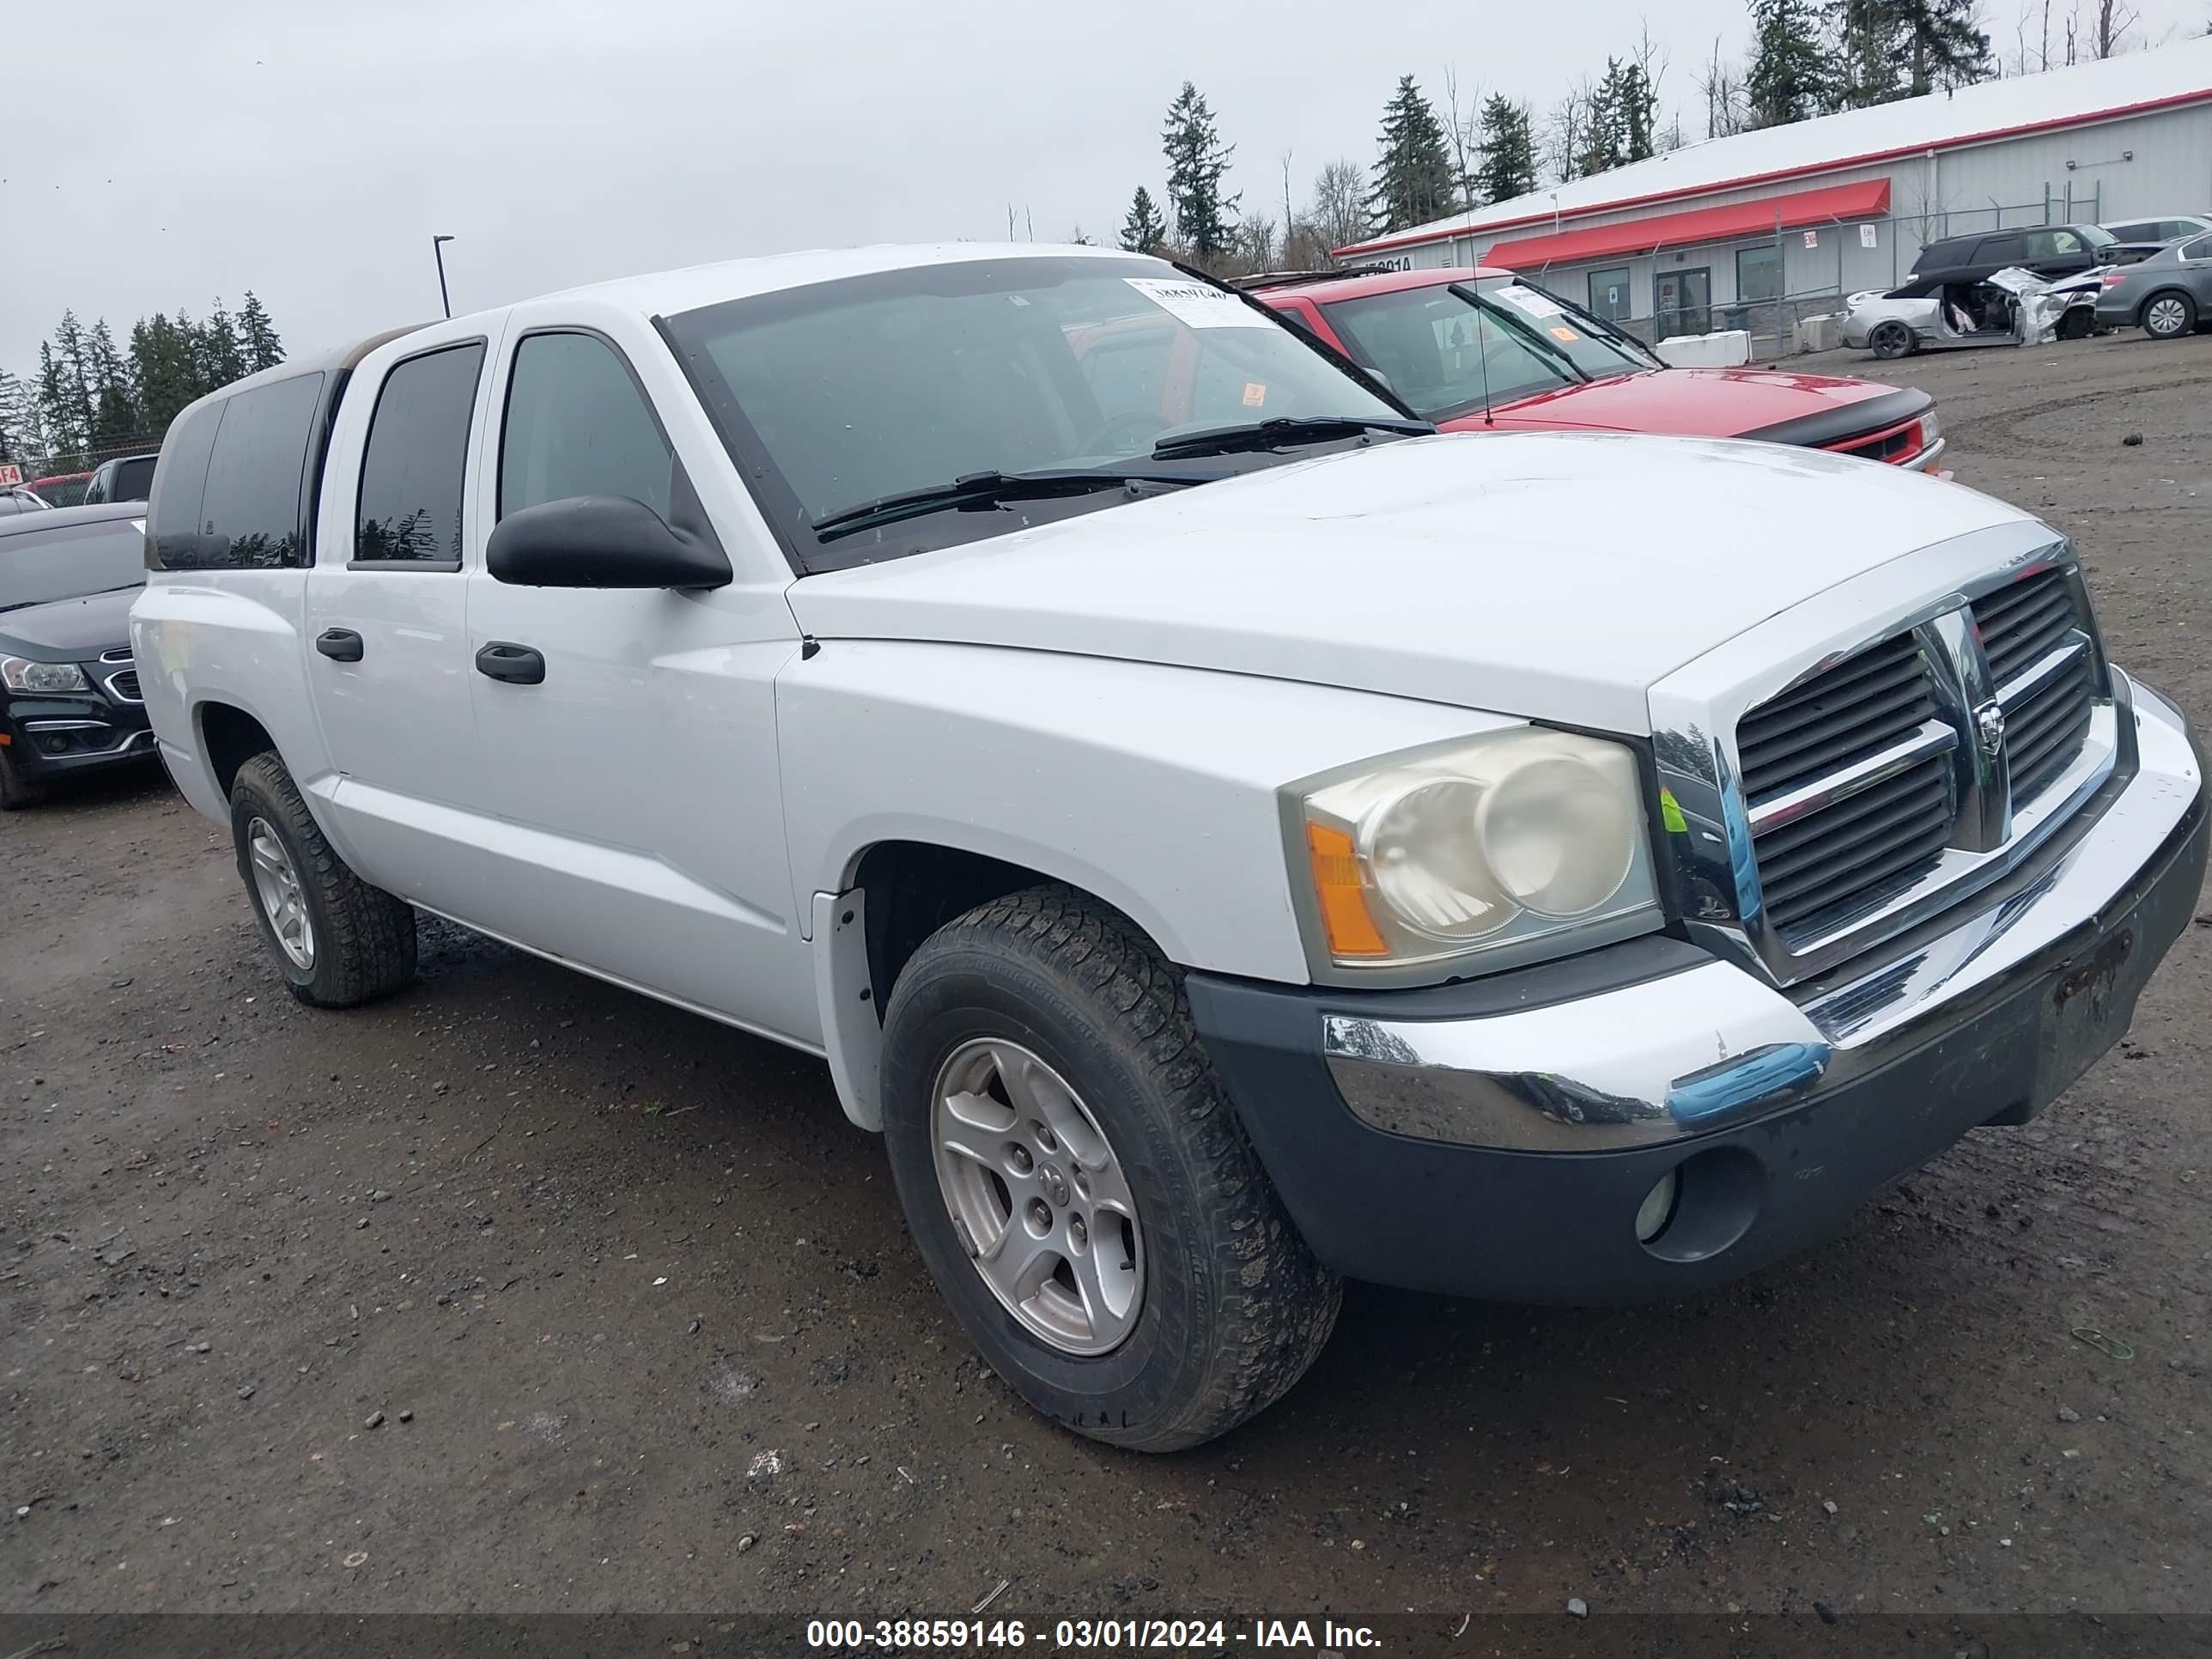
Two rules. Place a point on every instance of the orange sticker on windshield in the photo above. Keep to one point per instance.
(1254, 394)
(1566, 334)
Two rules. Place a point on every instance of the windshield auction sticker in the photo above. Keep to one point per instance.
(1536, 304)
(1196, 306)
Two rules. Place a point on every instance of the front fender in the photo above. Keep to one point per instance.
(1153, 788)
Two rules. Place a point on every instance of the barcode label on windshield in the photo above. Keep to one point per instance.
(1196, 306)
(1536, 304)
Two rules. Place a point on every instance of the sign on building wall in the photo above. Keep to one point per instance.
(1867, 236)
(1812, 239)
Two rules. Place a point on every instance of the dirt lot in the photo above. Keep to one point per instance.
(517, 1292)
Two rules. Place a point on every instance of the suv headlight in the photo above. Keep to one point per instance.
(1477, 847)
(18, 674)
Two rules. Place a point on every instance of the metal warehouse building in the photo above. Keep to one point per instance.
(1755, 230)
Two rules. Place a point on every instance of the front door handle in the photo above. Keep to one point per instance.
(339, 644)
(518, 664)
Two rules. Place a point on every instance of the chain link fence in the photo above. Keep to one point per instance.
(74, 467)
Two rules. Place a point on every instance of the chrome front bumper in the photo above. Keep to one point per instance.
(1712, 1048)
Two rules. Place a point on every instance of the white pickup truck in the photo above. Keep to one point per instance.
(1226, 836)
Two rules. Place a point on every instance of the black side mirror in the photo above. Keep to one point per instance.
(600, 541)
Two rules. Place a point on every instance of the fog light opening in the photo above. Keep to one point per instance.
(1657, 1210)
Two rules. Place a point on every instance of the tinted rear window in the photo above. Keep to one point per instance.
(231, 481)
(134, 478)
(253, 516)
(410, 511)
(174, 512)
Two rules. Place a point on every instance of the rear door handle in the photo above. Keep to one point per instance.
(339, 644)
(518, 664)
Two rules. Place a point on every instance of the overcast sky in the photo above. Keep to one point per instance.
(160, 155)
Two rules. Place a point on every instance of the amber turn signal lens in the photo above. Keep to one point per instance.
(1351, 930)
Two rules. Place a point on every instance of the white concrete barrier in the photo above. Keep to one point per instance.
(1724, 349)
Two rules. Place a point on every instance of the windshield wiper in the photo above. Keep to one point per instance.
(1283, 429)
(985, 490)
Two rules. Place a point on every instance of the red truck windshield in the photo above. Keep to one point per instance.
(1455, 348)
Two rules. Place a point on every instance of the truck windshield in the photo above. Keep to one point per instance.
(39, 566)
(1455, 348)
(861, 390)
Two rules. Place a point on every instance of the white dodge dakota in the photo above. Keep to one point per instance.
(1224, 835)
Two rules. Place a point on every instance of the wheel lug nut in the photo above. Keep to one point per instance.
(1022, 1159)
(1076, 1232)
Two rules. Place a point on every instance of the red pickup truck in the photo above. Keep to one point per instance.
(1474, 349)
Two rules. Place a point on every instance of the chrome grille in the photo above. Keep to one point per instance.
(1859, 708)
(2022, 623)
(124, 687)
(1823, 789)
(2034, 635)
(1867, 722)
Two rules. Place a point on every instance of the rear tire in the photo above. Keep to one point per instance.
(16, 791)
(2169, 316)
(1218, 1306)
(338, 941)
(1893, 339)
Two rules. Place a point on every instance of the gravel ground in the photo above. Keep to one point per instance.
(520, 1293)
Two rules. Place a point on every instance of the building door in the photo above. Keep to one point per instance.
(1682, 302)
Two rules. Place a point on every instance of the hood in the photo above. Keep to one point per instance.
(1692, 403)
(1551, 575)
(69, 630)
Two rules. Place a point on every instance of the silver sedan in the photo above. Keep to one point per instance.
(2168, 296)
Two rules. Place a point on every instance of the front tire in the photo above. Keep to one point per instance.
(1892, 339)
(1078, 1183)
(16, 791)
(2169, 316)
(338, 941)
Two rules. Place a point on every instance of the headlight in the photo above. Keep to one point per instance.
(18, 674)
(1931, 430)
(1478, 847)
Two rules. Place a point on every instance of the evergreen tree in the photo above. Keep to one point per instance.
(1636, 106)
(1144, 231)
(1792, 75)
(263, 347)
(1413, 177)
(21, 439)
(162, 363)
(1906, 48)
(1507, 147)
(1601, 135)
(65, 387)
(114, 399)
(1943, 47)
(217, 351)
(1197, 163)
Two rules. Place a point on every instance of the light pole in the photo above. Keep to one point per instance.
(438, 253)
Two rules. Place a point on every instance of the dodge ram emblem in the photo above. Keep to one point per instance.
(1989, 725)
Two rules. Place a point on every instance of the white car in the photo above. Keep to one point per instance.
(1224, 837)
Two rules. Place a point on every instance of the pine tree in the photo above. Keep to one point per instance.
(1943, 47)
(65, 388)
(1144, 231)
(1414, 176)
(1792, 73)
(115, 400)
(1197, 163)
(1906, 48)
(162, 363)
(263, 348)
(1636, 105)
(1508, 149)
(21, 439)
(217, 351)
(1601, 140)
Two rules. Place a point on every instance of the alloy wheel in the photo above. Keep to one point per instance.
(277, 885)
(1037, 1197)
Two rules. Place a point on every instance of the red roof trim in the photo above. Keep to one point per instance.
(1867, 199)
(2119, 113)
